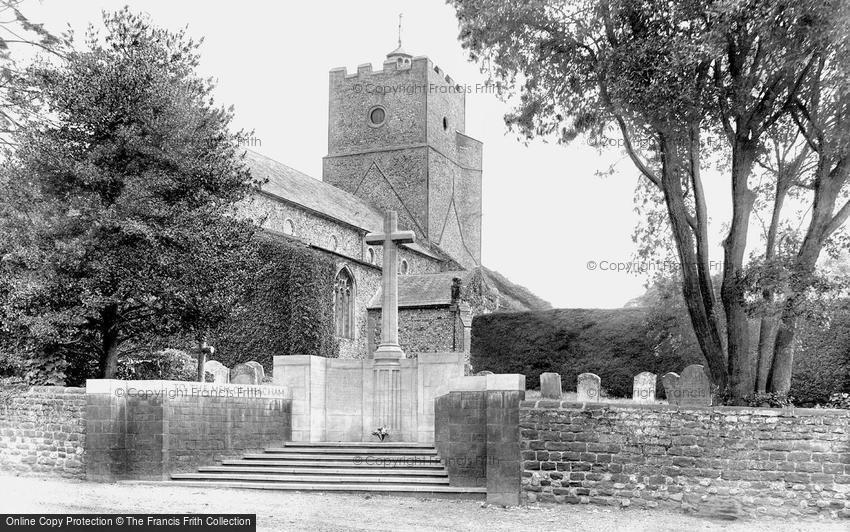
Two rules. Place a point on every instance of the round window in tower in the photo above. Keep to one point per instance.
(377, 116)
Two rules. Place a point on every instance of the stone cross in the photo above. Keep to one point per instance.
(202, 351)
(390, 239)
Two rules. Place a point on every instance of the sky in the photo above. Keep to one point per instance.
(549, 222)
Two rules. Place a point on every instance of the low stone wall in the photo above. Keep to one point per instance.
(43, 431)
(476, 432)
(716, 461)
(149, 429)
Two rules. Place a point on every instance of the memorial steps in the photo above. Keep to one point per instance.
(392, 468)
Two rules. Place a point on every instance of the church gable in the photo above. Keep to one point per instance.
(388, 191)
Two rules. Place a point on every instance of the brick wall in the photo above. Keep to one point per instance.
(715, 461)
(42, 431)
(150, 429)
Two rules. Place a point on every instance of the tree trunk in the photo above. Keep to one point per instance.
(109, 342)
(734, 246)
(783, 351)
(202, 360)
(783, 355)
(767, 340)
(110, 363)
(828, 184)
(699, 305)
(769, 323)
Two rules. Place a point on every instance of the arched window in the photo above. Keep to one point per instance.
(289, 227)
(344, 304)
(371, 256)
(404, 267)
(334, 243)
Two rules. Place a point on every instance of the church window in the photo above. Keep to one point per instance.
(445, 123)
(289, 227)
(371, 256)
(334, 243)
(377, 116)
(344, 304)
(404, 267)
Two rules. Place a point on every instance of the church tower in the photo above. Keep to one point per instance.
(396, 138)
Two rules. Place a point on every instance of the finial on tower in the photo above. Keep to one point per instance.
(399, 55)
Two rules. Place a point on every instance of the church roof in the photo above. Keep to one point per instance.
(423, 290)
(399, 51)
(297, 187)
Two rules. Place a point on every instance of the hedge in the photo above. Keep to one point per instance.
(617, 344)
(613, 344)
(822, 360)
(288, 310)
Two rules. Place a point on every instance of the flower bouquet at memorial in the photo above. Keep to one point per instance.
(381, 433)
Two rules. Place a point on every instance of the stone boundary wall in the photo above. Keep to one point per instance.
(460, 436)
(476, 433)
(43, 431)
(146, 430)
(719, 461)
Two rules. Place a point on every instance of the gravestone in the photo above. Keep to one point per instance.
(483, 373)
(550, 385)
(695, 386)
(244, 374)
(643, 390)
(261, 373)
(220, 372)
(670, 381)
(692, 388)
(588, 388)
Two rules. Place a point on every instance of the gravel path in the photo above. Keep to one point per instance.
(279, 511)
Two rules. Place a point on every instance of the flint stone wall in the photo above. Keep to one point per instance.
(43, 431)
(718, 461)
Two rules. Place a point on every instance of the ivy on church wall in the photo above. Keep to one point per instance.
(288, 311)
(366, 282)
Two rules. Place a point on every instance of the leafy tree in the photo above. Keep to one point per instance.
(120, 208)
(667, 76)
(20, 33)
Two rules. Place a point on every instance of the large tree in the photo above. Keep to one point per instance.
(119, 202)
(19, 37)
(670, 76)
